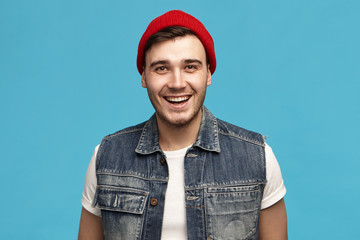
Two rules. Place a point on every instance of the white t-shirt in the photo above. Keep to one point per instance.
(174, 224)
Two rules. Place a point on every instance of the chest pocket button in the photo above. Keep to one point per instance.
(153, 202)
(162, 161)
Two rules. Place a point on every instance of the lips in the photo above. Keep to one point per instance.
(177, 100)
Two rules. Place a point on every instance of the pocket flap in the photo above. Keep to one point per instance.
(120, 199)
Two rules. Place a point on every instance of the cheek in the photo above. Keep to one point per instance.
(156, 83)
(153, 87)
(200, 85)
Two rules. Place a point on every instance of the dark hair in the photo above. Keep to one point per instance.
(166, 34)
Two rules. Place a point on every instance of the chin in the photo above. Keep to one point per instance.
(178, 121)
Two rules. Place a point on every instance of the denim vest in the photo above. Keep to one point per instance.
(224, 182)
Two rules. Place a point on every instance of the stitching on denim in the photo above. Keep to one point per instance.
(125, 189)
(135, 176)
(255, 188)
(122, 132)
(203, 186)
(201, 206)
(115, 209)
(144, 129)
(216, 133)
(242, 138)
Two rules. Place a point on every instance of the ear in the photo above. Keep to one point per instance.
(143, 80)
(208, 80)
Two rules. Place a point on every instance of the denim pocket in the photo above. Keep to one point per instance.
(120, 199)
(122, 211)
(232, 212)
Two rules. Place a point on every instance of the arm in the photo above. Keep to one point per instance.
(273, 222)
(90, 226)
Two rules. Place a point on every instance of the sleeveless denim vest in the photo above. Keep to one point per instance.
(224, 181)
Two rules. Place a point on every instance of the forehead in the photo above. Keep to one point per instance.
(179, 48)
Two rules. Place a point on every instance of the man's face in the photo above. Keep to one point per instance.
(176, 77)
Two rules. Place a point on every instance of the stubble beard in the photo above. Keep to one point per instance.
(181, 122)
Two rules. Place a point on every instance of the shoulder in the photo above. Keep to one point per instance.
(121, 142)
(228, 129)
(126, 138)
(126, 132)
(274, 188)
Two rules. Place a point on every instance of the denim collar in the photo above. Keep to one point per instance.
(208, 138)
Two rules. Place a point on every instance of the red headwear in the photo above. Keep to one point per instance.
(178, 18)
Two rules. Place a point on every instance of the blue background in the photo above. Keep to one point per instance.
(287, 69)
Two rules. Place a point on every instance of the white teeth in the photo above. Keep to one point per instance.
(177, 99)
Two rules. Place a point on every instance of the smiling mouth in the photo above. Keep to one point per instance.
(177, 100)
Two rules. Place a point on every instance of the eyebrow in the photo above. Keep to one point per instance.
(158, 62)
(187, 61)
(193, 61)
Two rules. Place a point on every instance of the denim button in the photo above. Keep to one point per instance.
(153, 202)
(162, 161)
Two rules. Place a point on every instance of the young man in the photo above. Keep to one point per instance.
(183, 174)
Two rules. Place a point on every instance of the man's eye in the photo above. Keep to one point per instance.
(191, 67)
(160, 69)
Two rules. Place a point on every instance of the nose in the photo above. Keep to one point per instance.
(176, 80)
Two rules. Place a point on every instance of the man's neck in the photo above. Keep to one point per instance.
(173, 138)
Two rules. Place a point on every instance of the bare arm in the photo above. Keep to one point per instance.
(90, 226)
(273, 222)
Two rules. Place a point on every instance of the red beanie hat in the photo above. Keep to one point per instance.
(178, 18)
